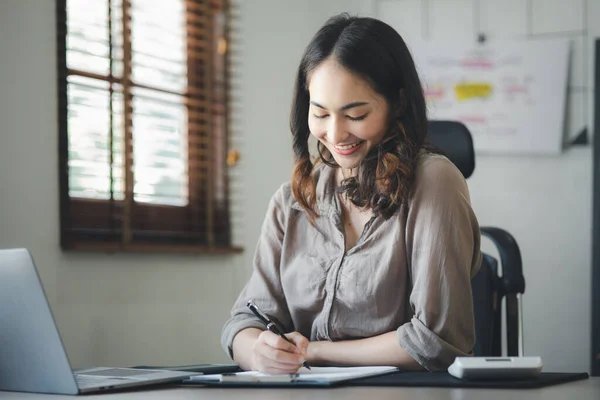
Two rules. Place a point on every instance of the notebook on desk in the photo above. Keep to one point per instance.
(316, 376)
(32, 356)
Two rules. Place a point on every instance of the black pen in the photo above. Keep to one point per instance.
(270, 324)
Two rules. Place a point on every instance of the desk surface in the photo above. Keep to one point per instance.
(586, 389)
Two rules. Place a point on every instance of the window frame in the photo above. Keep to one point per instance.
(203, 225)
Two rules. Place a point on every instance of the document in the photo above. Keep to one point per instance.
(315, 375)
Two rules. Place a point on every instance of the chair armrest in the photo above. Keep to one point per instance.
(513, 280)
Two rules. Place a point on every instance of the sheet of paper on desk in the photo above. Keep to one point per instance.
(316, 374)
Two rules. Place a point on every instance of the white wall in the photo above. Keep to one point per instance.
(168, 309)
(545, 202)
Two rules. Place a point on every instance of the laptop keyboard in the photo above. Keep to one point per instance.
(117, 372)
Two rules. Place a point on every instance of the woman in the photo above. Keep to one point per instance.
(366, 257)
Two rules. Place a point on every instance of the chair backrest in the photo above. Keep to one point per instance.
(454, 140)
(484, 287)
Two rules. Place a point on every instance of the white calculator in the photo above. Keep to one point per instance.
(496, 367)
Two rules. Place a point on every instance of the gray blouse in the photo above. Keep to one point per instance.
(410, 273)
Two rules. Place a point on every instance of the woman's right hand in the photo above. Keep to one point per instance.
(272, 354)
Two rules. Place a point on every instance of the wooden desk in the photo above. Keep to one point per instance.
(580, 390)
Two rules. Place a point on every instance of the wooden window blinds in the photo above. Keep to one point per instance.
(143, 125)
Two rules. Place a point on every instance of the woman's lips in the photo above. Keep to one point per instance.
(348, 149)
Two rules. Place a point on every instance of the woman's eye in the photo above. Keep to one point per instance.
(320, 116)
(360, 118)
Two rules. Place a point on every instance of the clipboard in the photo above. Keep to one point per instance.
(316, 377)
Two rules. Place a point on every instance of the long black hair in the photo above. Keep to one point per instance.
(374, 51)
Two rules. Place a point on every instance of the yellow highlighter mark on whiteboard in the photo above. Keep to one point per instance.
(474, 90)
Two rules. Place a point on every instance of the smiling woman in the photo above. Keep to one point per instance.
(373, 91)
(348, 130)
(366, 256)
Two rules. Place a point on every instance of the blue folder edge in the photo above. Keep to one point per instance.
(200, 368)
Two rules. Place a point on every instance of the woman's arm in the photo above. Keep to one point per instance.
(254, 349)
(264, 285)
(377, 350)
(242, 347)
(443, 251)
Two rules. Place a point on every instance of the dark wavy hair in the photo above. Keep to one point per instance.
(374, 51)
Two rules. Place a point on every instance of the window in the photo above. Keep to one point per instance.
(142, 125)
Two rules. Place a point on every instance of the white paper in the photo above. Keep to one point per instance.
(316, 374)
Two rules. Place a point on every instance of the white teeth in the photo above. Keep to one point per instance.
(348, 146)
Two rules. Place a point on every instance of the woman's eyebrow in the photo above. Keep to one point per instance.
(343, 108)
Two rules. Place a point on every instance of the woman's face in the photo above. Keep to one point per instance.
(345, 114)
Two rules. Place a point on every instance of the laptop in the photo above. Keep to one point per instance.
(32, 355)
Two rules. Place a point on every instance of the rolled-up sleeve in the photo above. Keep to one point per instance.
(264, 286)
(443, 251)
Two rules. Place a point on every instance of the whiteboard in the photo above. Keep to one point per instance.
(511, 95)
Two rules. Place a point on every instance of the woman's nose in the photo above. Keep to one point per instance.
(336, 132)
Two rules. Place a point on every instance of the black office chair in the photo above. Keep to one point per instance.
(454, 140)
